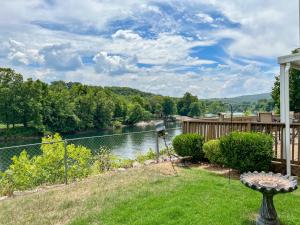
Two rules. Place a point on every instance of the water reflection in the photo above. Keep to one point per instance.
(126, 142)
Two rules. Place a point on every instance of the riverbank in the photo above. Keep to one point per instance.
(19, 133)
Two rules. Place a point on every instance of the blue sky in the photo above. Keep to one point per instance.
(210, 48)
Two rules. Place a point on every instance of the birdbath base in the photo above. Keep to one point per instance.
(268, 214)
(268, 184)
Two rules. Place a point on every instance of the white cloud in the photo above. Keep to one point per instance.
(265, 29)
(113, 64)
(127, 35)
(19, 54)
(222, 81)
(61, 57)
(165, 49)
(205, 18)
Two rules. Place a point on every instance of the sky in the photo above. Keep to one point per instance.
(211, 48)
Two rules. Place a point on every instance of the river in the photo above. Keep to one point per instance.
(126, 142)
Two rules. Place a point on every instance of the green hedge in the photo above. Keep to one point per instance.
(247, 151)
(189, 145)
(213, 152)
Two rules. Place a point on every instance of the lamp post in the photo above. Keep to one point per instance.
(231, 129)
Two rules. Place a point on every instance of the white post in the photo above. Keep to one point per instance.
(282, 75)
(286, 104)
(299, 23)
(282, 96)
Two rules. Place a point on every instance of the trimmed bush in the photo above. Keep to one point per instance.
(213, 152)
(247, 151)
(189, 145)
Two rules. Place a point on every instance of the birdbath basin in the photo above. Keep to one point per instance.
(269, 184)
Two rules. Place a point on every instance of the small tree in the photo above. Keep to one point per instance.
(195, 109)
(136, 113)
(185, 102)
(10, 86)
(168, 106)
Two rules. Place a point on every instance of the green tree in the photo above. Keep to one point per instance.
(139, 100)
(158, 110)
(10, 85)
(184, 104)
(104, 112)
(195, 109)
(31, 100)
(121, 108)
(216, 107)
(168, 106)
(156, 105)
(136, 113)
(85, 106)
(59, 109)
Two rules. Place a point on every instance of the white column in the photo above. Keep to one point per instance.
(286, 108)
(282, 96)
(282, 72)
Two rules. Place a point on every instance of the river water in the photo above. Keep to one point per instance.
(126, 142)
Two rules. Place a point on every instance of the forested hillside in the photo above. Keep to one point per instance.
(70, 107)
(246, 98)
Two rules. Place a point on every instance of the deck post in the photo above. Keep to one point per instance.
(282, 96)
(284, 112)
(287, 119)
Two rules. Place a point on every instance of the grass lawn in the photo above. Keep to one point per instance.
(149, 196)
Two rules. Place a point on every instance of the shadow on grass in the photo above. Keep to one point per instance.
(183, 166)
(218, 170)
(253, 222)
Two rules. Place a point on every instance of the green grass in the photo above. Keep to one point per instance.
(195, 197)
(148, 196)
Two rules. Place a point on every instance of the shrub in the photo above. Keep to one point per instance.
(79, 161)
(49, 167)
(122, 163)
(6, 184)
(212, 152)
(247, 151)
(151, 154)
(103, 160)
(167, 151)
(23, 172)
(51, 163)
(117, 124)
(189, 145)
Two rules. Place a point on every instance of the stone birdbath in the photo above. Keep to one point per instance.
(269, 184)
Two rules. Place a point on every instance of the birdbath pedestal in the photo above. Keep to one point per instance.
(269, 184)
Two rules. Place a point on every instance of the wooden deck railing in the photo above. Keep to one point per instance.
(216, 129)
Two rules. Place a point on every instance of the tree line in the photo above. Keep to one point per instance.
(71, 106)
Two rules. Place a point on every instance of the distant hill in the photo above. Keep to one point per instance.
(126, 91)
(244, 98)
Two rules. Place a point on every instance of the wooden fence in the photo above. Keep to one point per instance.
(216, 129)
